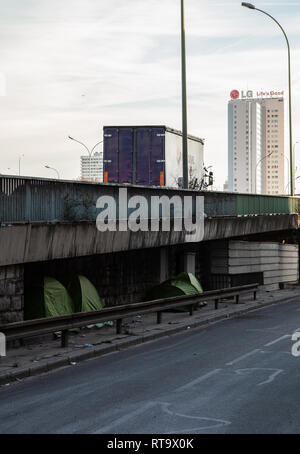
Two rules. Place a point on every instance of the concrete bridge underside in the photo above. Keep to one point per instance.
(35, 242)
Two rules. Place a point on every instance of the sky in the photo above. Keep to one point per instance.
(71, 67)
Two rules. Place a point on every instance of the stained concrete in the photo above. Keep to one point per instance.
(34, 242)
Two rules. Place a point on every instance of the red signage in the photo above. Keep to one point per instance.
(235, 94)
(270, 93)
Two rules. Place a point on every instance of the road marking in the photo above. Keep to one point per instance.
(123, 419)
(165, 407)
(277, 340)
(270, 378)
(197, 380)
(215, 422)
(263, 330)
(240, 358)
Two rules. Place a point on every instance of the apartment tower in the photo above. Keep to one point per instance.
(256, 143)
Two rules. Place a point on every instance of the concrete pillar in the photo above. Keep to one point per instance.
(189, 262)
(11, 294)
(164, 264)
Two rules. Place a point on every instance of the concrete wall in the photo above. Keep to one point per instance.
(35, 242)
(11, 294)
(277, 262)
(125, 277)
(120, 278)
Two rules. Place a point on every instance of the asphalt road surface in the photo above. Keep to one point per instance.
(238, 376)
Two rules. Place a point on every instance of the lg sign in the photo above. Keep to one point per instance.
(235, 94)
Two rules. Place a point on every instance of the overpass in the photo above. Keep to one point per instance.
(45, 219)
(48, 227)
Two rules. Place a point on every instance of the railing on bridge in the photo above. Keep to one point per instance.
(25, 199)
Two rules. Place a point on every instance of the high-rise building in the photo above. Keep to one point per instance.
(92, 168)
(274, 146)
(256, 143)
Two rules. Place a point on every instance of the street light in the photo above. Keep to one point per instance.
(251, 6)
(295, 170)
(184, 103)
(267, 156)
(20, 157)
(90, 152)
(52, 168)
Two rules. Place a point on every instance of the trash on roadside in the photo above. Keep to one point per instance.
(100, 325)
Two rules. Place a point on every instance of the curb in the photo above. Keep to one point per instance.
(123, 344)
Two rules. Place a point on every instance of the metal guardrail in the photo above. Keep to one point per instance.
(24, 199)
(31, 328)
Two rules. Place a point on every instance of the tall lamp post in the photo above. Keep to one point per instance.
(296, 178)
(184, 102)
(251, 6)
(295, 170)
(52, 168)
(90, 151)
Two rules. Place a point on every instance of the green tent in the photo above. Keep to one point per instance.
(84, 295)
(190, 281)
(49, 299)
(183, 284)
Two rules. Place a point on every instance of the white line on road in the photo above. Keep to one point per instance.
(213, 423)
(271, 377)
(107, 429)
(240, 358)
(278, 340)
(197, 380)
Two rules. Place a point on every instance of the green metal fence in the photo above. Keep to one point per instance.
(262, 204)
(37, 199)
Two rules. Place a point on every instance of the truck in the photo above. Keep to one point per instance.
(149, 156)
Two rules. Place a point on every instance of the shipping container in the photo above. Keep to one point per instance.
(149, 155)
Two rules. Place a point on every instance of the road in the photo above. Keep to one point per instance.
(237, 376)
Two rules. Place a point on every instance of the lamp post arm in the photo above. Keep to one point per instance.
(81, 143)
(279, 25)
(96, 146)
